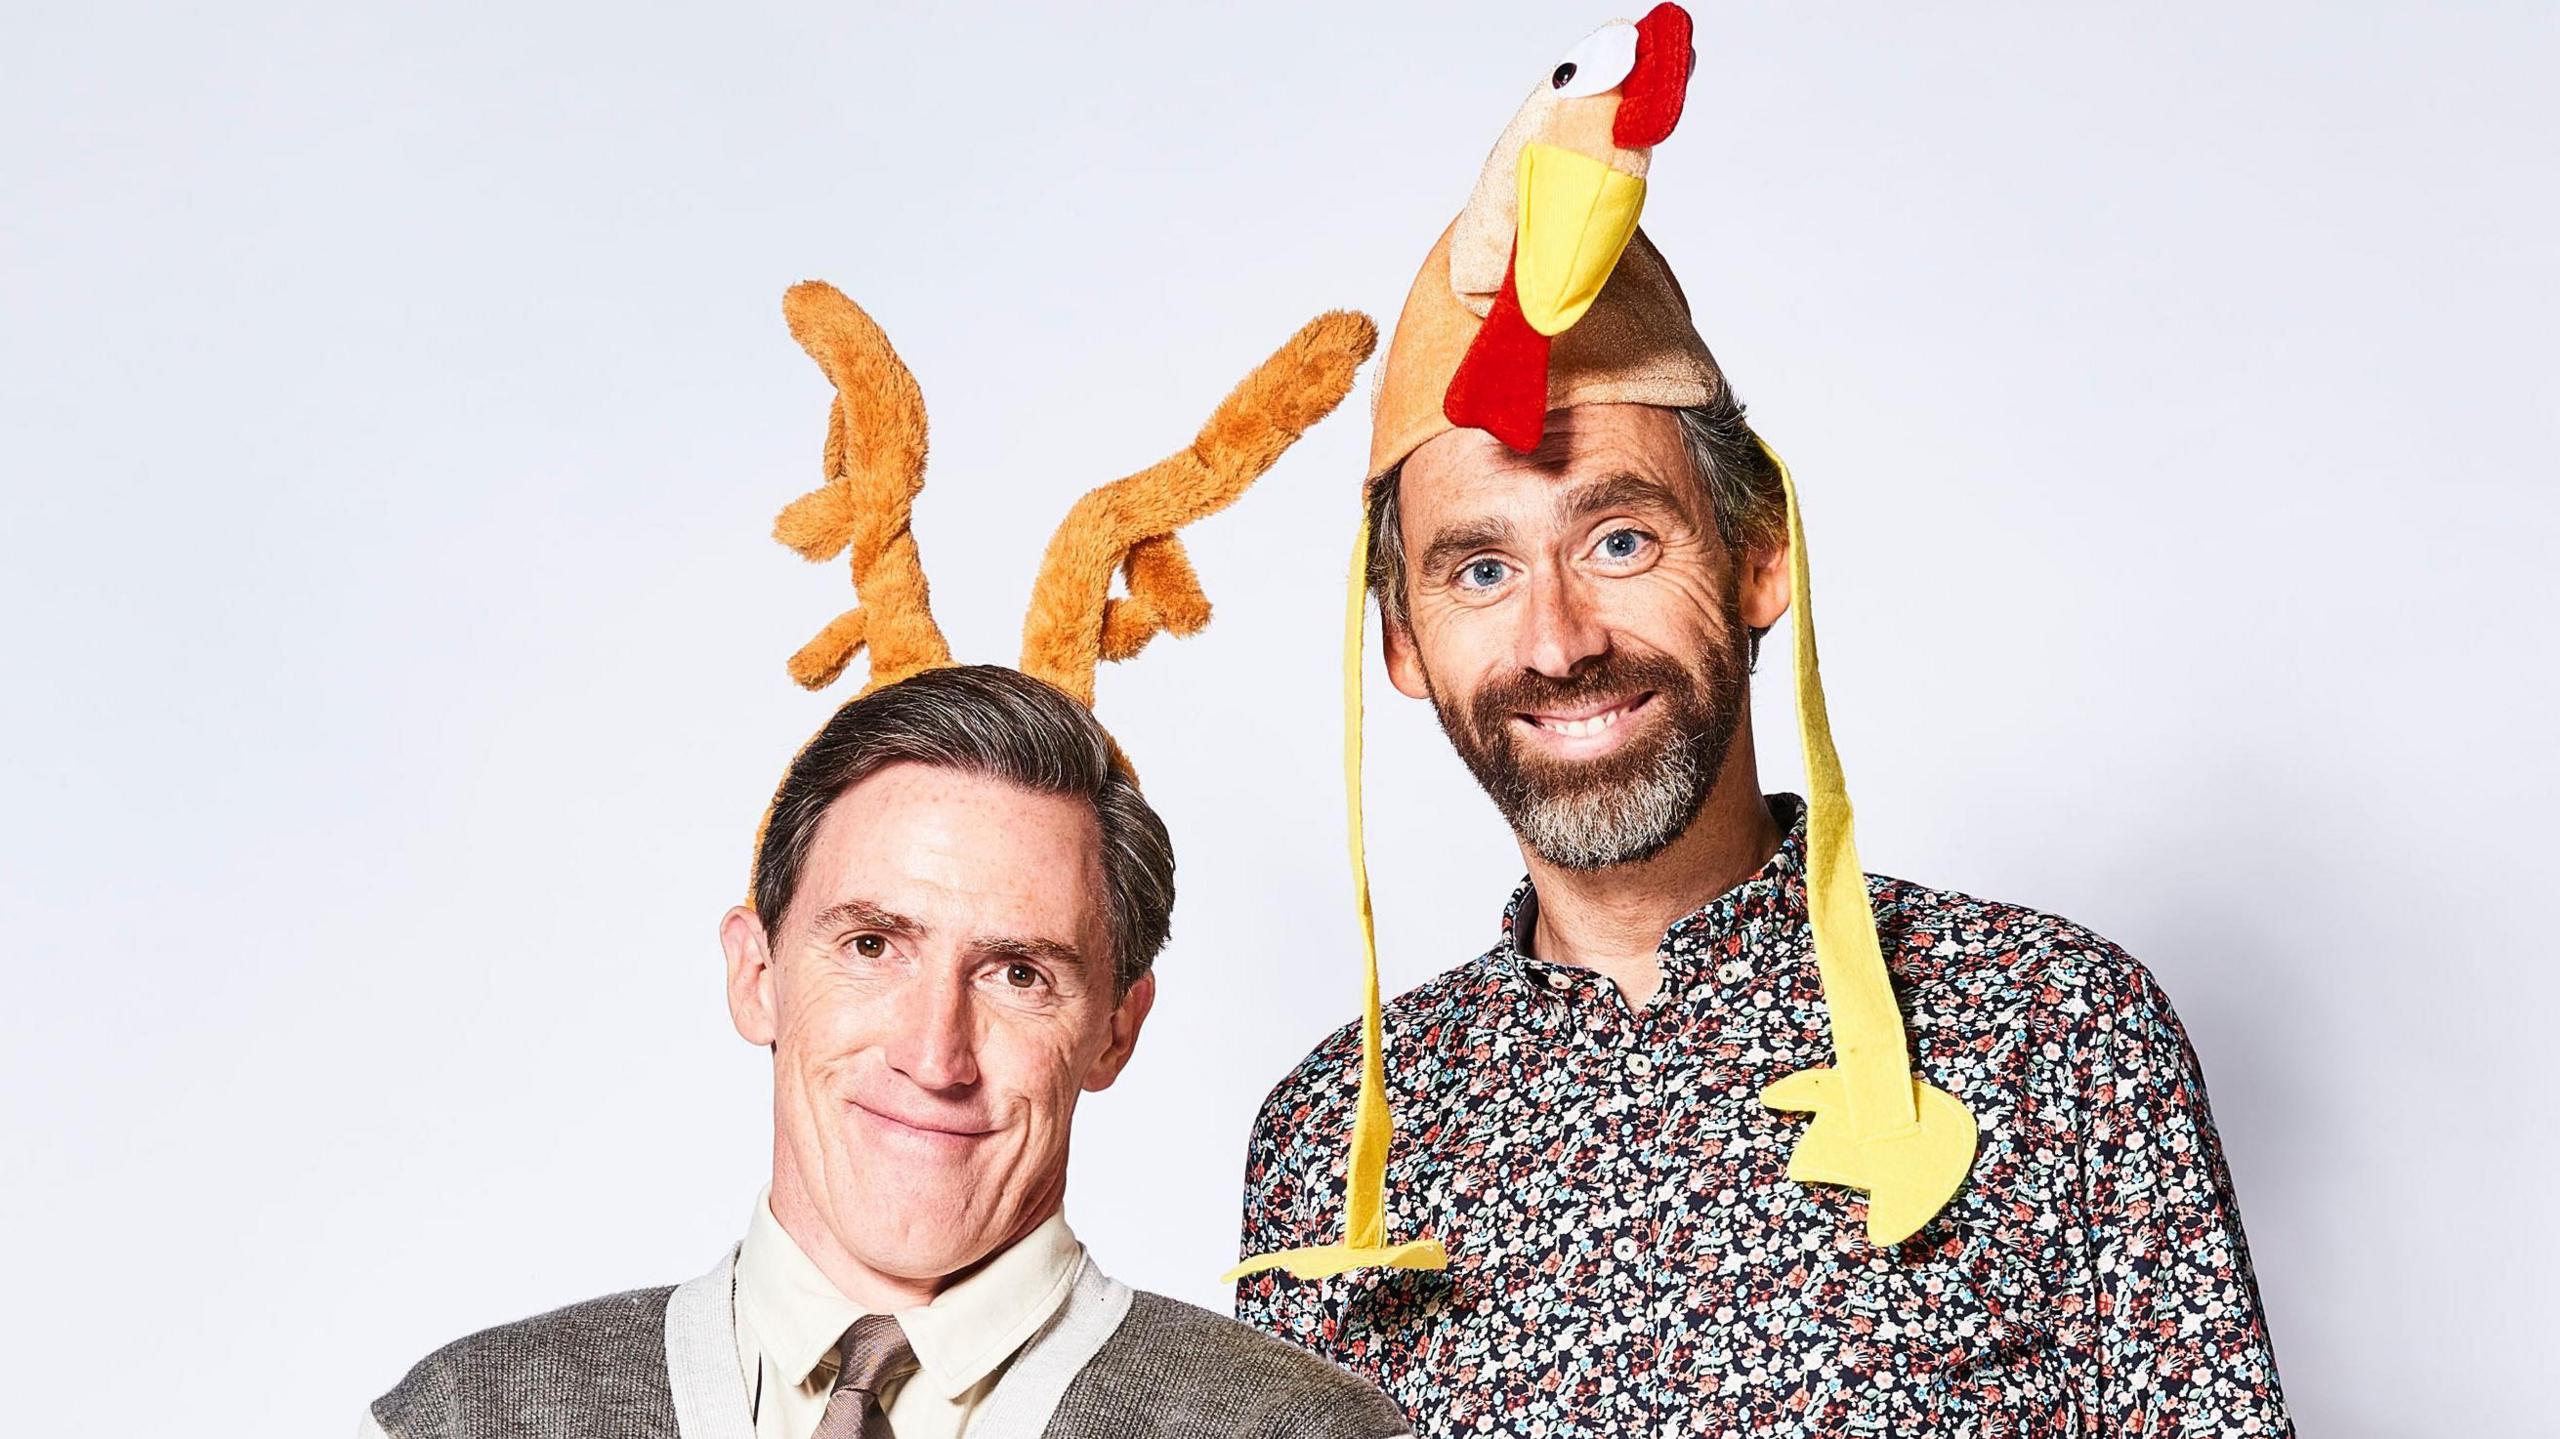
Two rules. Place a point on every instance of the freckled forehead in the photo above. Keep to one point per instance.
(961, 851)
(1468, 472)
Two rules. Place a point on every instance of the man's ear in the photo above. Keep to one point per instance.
(752, 1006)
(1126, 1020)
(1404, 662)
(1763, 583)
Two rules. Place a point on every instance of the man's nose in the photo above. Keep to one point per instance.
(936, 1039)
(1559, 635)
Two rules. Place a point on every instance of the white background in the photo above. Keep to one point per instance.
(392, 406)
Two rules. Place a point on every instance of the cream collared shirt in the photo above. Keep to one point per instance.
(789, 1317)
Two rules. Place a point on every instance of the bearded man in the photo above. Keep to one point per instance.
(2010, 1215)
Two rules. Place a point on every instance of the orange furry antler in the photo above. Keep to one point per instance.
(1074, 623)
(874, 467)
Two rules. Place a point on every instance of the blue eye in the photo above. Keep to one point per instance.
(1483, 574)
(1622, 544)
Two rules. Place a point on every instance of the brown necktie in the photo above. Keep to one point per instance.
(873, 1352)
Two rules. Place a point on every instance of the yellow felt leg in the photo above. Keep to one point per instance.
(1875, 1127)
(1364, 1228)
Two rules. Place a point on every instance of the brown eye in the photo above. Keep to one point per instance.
(870, 946)
(1020, 975)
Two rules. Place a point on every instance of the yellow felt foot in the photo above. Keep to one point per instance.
(1908, 1174)
(1323, 1261)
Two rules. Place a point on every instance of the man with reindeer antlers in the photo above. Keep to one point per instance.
(957, 899)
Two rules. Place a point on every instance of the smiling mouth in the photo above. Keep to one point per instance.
(1589, 722)
(938, 1132)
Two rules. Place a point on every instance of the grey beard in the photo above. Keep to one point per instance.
(1602, 825)
(1621, 808)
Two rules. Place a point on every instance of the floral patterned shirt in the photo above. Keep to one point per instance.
(1628, 1257)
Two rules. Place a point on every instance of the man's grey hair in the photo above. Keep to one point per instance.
(1740, 480)
(1003, 724)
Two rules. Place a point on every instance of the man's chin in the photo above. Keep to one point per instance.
(1595, 814)
(919, 1236)
(1587, 853)
(1549, 775)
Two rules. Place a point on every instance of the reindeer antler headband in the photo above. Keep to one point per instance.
(874, 462)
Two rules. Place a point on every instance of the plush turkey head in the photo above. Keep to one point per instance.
(1554, 208)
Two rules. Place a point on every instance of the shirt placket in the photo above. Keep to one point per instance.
(1622, 1065)
(1648, 1061)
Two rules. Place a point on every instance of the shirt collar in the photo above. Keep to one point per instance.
(795, 1311)
(973, 1327)
(961, 1337)
(1704, 936)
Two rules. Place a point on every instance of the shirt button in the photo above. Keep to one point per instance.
(1625, 1249)
(1557, 979)
(1641, 1066)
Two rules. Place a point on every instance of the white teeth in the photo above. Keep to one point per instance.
(1581, 727)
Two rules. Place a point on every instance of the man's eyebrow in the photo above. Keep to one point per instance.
(1050, 951)
(1621, 491)
(863, 914)
(1465, 538)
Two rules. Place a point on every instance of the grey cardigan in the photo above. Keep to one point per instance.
(1112, 1363)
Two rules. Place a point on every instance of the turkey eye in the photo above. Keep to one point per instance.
(1598, 65)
